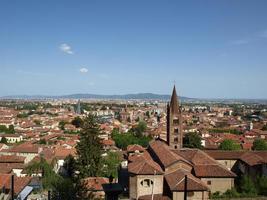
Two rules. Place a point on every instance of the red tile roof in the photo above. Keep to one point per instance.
(144, 167)
(176, 181)
(95, 183)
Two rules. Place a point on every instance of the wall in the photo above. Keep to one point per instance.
(196, 195)
(219, 184)
(137, 190)
(228, 163)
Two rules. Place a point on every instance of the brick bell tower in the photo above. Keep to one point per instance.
(174, 122)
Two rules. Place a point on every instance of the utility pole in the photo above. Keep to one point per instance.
(12, 187)
(185, 187)
(152, 196)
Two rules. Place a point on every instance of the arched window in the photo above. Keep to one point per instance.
(146, 183)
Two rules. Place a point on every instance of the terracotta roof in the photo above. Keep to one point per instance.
(144, 167)
(11, 159)
(95, 183)
(213, 171)
(176, 181)
(251, 159)
(139, 157)
(19, 183)
(135, 147)
(204, 165)
(164, 155)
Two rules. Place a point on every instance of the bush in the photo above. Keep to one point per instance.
(259, 145)
(229, 145)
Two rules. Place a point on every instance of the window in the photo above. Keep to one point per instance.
(176, 121)
(176, 130)
(190, 194)
(209, 182)
(146, 183)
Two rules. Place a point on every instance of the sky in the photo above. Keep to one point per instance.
(209, 49)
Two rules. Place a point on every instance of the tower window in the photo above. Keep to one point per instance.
(176, 121)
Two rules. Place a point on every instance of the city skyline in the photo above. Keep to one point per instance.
(211, 49)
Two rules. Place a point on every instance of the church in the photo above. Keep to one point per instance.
(158, 172)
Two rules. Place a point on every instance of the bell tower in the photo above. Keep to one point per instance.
(174, 122)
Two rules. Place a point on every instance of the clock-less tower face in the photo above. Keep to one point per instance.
(174, 122)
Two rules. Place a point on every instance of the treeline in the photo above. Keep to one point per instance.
(133, 136)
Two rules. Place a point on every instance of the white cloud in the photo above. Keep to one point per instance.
(66, 48)
(239, 42)
(83, 70)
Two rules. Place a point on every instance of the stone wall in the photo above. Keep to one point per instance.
(219, 184)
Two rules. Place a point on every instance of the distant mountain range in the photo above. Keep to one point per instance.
(141, 96)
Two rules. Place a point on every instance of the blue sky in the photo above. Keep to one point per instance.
(211, 49)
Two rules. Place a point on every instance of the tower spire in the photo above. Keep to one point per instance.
(174, 104)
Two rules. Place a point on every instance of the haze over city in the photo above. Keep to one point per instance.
(215, 49)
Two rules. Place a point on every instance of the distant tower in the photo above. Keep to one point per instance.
(78, 111)
(174, 122)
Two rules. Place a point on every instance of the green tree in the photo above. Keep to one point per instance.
(77, 122)
(63, 189)
(111, 163)
(89, 148)
(69, 166)
(259, 145)
(49, 177)
(264, 128)
(247, 186)
(192, 140)
(11, 129)
(148, 114)
(261, 184)
(3, 140)
(42, 141)
(62, 124)
(229, 145)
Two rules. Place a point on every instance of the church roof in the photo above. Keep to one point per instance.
(174, 104)
(176, 181)
(164, 155)
(144, 167)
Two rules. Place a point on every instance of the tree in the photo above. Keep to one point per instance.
(77, 122)
(140, 129)
(259, 145)
(63, 189)
(11, 129)
(122, 140)
(261, 184)
(62, 124)
(89, 148)
(192, 140)
(49, 177)
(111, 164)
(148, 114)
(3, 140)
(42, 141)
(69, 165)
(247, 186)
(264, 128)
(229, 145)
